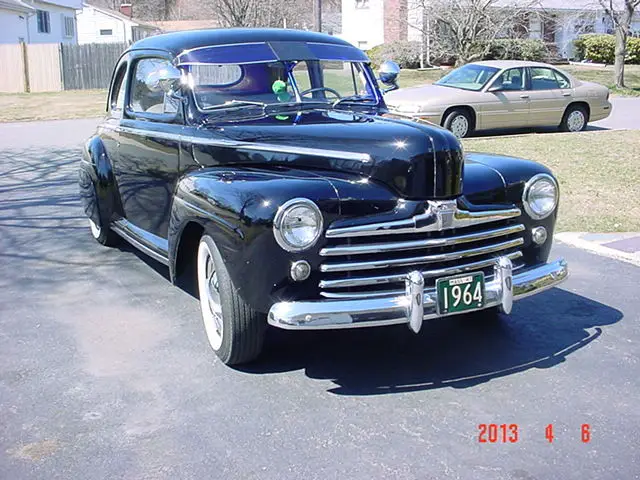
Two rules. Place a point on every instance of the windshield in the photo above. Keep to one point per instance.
(311, 81)
(469, 77)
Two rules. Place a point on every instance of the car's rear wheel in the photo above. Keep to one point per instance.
(459, 123)
(235, 331)
(103, 235)
(574, 119)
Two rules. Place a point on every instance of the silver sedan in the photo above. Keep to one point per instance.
(504, 94)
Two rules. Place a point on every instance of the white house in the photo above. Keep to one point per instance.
(100, 25)
(33, 21)
(367, 23)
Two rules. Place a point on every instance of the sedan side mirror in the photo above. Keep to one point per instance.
(388, 74)
(494, 89)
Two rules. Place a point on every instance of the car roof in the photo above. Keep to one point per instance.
(511, 63)
(177, 42)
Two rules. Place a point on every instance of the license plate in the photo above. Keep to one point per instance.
(460, 293)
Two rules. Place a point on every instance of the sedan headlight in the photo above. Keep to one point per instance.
(297, 225)
(408, 108)
(540, 196)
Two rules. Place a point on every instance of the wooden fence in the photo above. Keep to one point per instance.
(30, 68)
(51, 67)
(89, 66)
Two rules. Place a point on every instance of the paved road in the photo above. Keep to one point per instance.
(105, 371)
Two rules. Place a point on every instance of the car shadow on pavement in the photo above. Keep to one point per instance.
(459, 352)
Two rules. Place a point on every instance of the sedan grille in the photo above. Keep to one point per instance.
(366, 262)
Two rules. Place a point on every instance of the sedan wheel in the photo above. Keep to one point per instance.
(459, 123)
(209, 290)
(235, 331)
(574, 120)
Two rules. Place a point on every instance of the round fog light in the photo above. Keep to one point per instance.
(300, 270)
(539, 235)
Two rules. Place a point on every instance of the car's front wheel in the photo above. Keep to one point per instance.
(235, 331)
(574, 120)
(459, 123)
(103, 235)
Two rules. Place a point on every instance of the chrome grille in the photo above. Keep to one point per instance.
(372, 260)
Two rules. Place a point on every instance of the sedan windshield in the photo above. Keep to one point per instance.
(328, 82)
(469, 77)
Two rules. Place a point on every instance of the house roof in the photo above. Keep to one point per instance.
(16, 5)
(119, 16)
(180, 25)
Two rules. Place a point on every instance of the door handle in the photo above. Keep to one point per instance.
(524, 96)
(566, 94)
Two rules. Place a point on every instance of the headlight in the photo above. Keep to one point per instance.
(297, 225)
(409, 108)
(540, 196)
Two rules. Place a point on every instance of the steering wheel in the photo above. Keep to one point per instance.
(319, 89)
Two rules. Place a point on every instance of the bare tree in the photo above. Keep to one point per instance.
(620, 12)
(466, 28)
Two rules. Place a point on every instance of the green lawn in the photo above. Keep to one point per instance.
(598, 172)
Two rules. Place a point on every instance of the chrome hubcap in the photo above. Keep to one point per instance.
(460, 126)
(95, 229)
(209, 290)
(575, 121)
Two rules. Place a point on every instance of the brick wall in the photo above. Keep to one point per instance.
(395, 16)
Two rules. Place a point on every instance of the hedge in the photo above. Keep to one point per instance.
(517, 49)
(601, 48)
(405, 54)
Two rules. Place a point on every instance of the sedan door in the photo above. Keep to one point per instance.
(550, 93)
(506, 102)
(149, 152)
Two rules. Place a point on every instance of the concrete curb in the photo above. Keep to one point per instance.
(577, 239)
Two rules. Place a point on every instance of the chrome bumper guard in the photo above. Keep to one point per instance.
(416, 304)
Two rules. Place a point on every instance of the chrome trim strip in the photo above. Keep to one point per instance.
(438, 257)
(262, 147)
(154, 246)
(331, 314)
(440, 272)
(429, 242)
(394, 292)
(440, 215)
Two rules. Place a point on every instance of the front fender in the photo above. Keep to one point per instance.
(237, 207)
(98, 189)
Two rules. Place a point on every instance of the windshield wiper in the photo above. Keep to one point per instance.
(236, 104)
(351, 98)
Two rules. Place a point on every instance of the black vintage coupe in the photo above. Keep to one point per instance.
(266, 161)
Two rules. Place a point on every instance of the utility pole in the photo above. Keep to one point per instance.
(317, 15)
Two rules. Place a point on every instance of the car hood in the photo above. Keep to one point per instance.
(416, 160)
(434, 95)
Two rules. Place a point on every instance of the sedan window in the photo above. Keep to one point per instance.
(547, 79)
(469, 77)
(512, 79)
(145, 100)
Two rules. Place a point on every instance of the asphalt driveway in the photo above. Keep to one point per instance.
(105, 371)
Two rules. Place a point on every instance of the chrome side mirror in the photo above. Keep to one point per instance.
(388, 74)
(167, 79)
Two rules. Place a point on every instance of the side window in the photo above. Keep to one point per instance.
(543, 79)
(512, 79)
(562, 80)
(142, 98)
(116, 102)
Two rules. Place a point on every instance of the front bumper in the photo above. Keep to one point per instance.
(417, 304)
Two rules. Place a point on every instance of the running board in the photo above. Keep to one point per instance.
(154, 246)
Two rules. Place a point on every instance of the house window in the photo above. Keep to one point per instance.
(363, 45)
(69, 26)
(106, 32)
(44, 24)
(362, 3)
